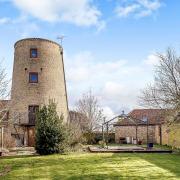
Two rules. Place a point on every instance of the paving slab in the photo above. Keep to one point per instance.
(126, 149)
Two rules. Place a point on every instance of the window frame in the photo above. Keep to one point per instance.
(33, 73)
(32, 49)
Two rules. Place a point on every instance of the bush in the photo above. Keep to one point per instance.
(102, 144)
(51, 134)
(75, 134)
(90, 137)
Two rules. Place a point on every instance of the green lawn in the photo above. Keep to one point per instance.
(93, 166)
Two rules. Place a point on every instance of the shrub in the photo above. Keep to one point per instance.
(75, 134)
(102, 144)
(90, 137)
(51, 134)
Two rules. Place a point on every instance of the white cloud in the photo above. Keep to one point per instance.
(137, 8)
(150, 4)
(152, 60)
(108, 112)
(79, 12)
(125, 11)
(115, 83)
(113, 89)
(4, 20)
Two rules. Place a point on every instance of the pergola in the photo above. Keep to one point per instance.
(121, 118)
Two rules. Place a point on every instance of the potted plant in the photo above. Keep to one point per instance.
(139, 142)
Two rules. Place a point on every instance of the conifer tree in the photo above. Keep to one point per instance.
(51, 133)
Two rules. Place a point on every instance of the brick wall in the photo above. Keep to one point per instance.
(51, 81)
(49, 66)
(171, 135)
(130, 131)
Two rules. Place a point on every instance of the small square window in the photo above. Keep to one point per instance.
(33, 53)
(33, 77)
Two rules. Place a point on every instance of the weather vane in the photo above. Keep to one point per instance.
(61, 38)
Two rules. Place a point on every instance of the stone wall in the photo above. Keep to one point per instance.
(51, 82)
(8, 141)
(130, 131)
(171, 135)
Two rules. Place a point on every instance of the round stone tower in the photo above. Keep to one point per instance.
(38, 76)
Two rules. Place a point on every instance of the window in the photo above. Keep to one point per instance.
(33, 77)
(33, 53)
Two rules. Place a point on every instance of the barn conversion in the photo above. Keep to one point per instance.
(140, 126)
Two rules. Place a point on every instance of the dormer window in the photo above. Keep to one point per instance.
(33, 53)
(33, 77)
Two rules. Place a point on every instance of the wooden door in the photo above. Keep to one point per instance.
(31, 136)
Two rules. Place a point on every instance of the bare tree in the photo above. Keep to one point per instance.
(165, 91)
(4, 92)
(88, 106)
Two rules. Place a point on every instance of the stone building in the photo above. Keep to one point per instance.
(153, 121)
(38, 76)
(141, 124)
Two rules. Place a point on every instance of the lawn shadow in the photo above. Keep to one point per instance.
(167, 162)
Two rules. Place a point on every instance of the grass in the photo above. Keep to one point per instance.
(93, 166)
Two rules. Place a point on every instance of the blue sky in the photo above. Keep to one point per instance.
(110, 45)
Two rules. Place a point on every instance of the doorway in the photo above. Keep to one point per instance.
(31, 136)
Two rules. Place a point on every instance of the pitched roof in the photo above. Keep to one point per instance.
(137, 117)
(128, 121)
(154, 116)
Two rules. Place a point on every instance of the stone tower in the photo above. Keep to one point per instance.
(38, 76)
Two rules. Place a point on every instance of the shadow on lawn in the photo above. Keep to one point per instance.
(170, 162)
(167, 162)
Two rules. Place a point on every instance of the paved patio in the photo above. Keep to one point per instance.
(126, 149)
(18, 151)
